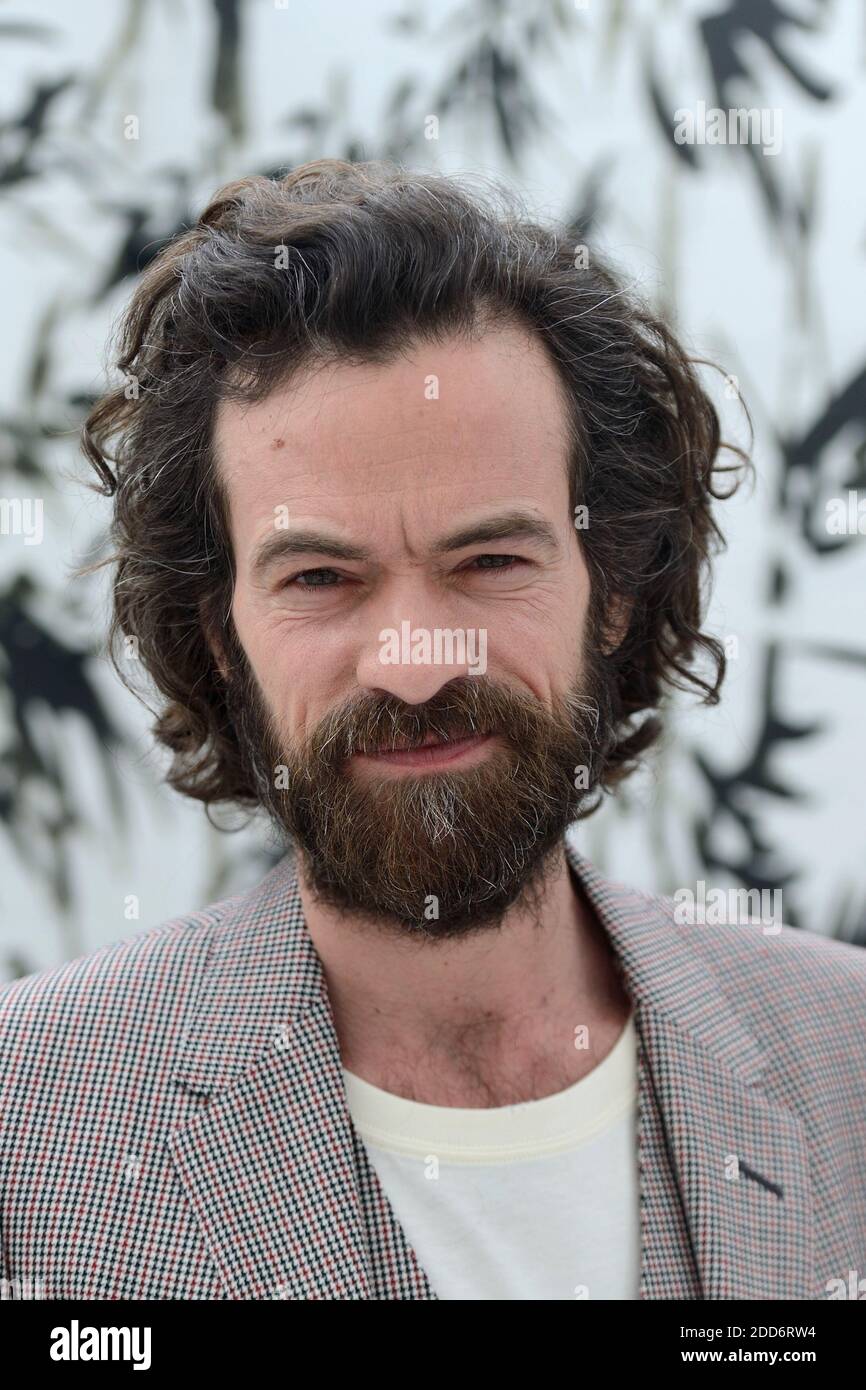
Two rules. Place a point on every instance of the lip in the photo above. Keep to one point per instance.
(431, 755)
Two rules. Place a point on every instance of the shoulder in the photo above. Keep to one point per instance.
(145, 978)
(764, 951)
(799, 992)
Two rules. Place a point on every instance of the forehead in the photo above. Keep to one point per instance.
(453, 423)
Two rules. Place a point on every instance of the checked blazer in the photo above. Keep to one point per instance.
(173, 1120)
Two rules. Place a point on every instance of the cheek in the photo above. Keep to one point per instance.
(284, 666)
(263, 652)
(545, 631)
(544, 648)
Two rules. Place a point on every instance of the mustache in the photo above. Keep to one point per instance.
(466, 707)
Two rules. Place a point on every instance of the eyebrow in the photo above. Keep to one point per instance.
(513, 525)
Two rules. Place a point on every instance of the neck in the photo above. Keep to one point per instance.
(490, 1014)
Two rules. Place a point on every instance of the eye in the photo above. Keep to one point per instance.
(316, 575)
(512, 561)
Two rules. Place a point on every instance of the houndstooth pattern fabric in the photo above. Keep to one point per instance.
(173, 1120)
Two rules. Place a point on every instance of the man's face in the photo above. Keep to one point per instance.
(396, 624)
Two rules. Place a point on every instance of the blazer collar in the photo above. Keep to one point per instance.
(726, 1209)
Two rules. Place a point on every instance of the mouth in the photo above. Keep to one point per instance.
(432, 751)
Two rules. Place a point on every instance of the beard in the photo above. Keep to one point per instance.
(435, 853)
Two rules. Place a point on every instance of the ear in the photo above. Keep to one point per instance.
(215, 643)
(219, 658)
(616, 623)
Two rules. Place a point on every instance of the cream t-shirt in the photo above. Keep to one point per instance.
(531, 1201)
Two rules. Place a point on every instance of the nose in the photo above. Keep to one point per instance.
(411, 641)
(414, 663)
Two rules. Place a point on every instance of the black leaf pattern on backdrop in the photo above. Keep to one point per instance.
(490, 83)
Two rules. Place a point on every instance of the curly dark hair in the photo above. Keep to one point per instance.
(375, 257)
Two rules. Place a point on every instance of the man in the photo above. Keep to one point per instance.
(412, 512)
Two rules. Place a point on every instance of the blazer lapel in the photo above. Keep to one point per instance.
(288, 1207)
(726, 1201)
